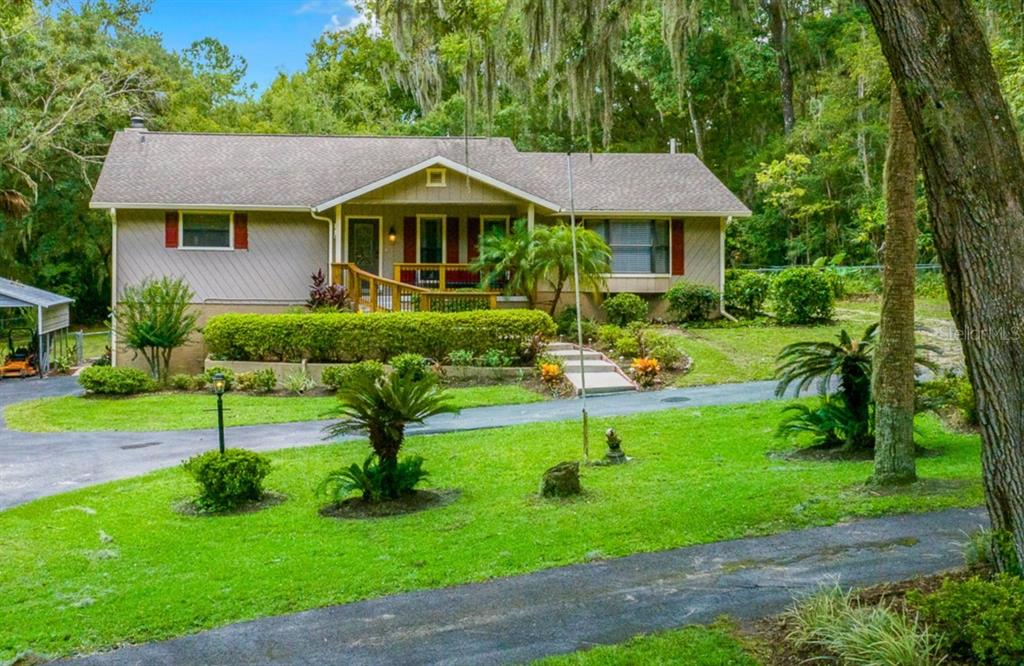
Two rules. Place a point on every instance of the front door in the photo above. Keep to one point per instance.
(364, 243)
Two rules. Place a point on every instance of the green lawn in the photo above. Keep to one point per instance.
(185, 411)
(113, 563)
(747, 353)
(693, 646)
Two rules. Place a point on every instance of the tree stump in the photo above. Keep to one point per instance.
(562, 480)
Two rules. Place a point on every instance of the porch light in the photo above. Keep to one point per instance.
(392, 236)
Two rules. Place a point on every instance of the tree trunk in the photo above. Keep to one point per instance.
(894, 356)
(974, 175)
(698, 133)
(780, 42)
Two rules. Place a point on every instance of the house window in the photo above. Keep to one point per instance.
(431, 245)
(436, 177)
(490, 224)
(206, 231)
(638, 246)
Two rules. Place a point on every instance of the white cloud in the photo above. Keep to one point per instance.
(357, 19)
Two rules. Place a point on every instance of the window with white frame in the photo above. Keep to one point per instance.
(639, 247)
(431, 242)
(206, 231)
(491, 224)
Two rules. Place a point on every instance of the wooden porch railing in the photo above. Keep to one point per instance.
(373, 293)
(442, 277)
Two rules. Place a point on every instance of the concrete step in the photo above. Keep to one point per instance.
(589, 365)
(567, 354)
(604, 382)
(556, 346)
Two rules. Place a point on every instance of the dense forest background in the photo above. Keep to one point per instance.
(785, 100)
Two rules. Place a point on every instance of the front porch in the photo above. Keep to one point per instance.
(419, 288)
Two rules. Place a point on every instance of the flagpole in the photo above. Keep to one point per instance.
(579, 311)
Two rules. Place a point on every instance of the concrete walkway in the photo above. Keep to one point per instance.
(34, 465)
(512, 620)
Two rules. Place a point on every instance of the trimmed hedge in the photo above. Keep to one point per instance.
(106, 380)
(350, 337)
(802, 296)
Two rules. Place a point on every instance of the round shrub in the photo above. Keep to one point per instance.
(107, 380)
(746, 291)
(625, 308)
(802, 296)
(691, 302)
(183, 382)
(336, 376)
(229, 376)
(227, 479)
(412, 366)
(257, 381)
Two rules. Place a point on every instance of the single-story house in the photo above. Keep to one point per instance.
(246, 219)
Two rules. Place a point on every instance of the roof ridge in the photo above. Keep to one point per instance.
(313, 136)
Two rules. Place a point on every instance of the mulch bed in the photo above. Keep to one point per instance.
(821, 453)
(769, 640)
(356, 508)
(189, 508)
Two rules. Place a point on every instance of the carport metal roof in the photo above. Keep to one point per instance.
(17, 295)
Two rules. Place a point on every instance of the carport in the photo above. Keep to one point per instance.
(52, 314)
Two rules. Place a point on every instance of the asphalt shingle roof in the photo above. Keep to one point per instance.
(172, 169)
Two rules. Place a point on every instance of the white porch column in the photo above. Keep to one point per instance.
(529, 216)
(339, 232)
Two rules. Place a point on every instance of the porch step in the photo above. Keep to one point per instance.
(602, 382)
(573, 354)
(589, 365)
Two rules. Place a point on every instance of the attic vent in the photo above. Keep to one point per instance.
(137, 122)
(437, 177)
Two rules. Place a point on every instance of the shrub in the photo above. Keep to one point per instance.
(258, 381)
(351, 337)
(802, 296)
(183, 382)
(154, 318)
(329, 297)
(986, 548)
(227, 479)
(860, 635)
(609, 334)
(691, 302)
(367, 479)
(107, 380)
(337, 376)
(552, 374)
(229, 376)
(746, 291)
(646, 370)
(664, 348)
(948, 391)
(566, 325)
(979, 620)
(411, 366)
(461, 357)
(930, 285)
(495, 358)
(299, 382)
(625, 308)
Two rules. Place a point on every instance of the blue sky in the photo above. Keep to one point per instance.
(272, 35)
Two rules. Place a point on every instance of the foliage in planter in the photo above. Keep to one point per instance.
(639, 340)
(336, 376)
(691, 302)
(350, 337)
(746, 291)
(327, 297)
(802, 296)
(257, 381)
(979, 620)
(411, 366)
(107, 380)
(299, 382)
(495, 358)
(625, 308)
(154, 318)
(461, 358)
(227, 373)
(227, 479)
(382, 409)
(368, 479)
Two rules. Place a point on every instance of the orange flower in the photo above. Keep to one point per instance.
(646, 370)
(550, 373)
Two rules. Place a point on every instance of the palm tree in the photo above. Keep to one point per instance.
(509, 258)
(382, 408)
(804, 363)
(554, 258)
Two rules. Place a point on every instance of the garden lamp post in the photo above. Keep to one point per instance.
(219, 384)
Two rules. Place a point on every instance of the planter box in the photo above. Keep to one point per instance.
(315, 370)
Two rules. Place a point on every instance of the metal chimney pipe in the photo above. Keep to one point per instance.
(673, 146)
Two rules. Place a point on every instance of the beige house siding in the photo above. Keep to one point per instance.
(414, 189)
(703, 251)
(284, 250)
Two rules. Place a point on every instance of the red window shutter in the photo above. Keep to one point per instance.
(171, 229)
(409, 240)
(473, 237)
(451, 240)
(241, 231)
(678, 247)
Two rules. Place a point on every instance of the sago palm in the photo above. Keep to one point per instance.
(382, 408)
